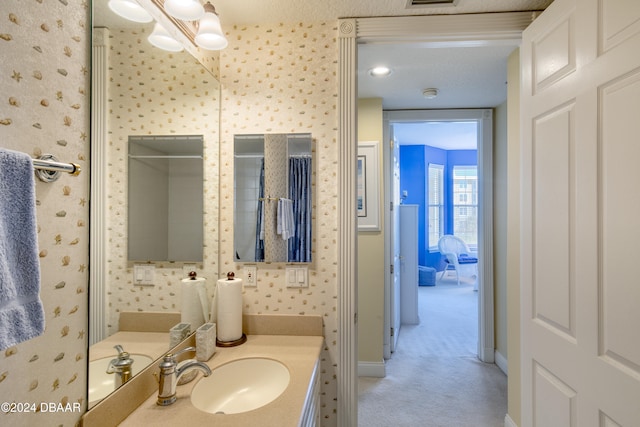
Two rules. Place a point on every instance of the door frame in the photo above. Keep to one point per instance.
(484, 118)
(436, 31)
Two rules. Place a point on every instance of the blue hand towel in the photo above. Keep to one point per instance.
(21, 312)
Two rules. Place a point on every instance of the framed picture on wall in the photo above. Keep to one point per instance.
(368, 187)
(362, 186)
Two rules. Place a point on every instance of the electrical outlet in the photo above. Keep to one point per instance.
(250, 273)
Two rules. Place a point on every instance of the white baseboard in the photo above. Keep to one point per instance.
(508, 422)
(371, 369)
(501, 361)
(487, 355)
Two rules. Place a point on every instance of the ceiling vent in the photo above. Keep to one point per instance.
(412, 4)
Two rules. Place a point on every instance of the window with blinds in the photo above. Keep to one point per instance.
(435, 217)
(465, 203)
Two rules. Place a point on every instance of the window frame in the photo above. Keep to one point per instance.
(440, 206)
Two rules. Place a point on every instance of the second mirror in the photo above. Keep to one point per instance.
(272, 187)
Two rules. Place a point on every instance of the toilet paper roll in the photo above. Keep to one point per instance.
(195, 306)
(229, 309)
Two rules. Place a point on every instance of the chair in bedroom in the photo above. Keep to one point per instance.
(457, 256)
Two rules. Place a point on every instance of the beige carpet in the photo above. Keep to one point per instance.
(434, 378)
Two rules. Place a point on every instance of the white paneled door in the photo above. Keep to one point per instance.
(580, 202)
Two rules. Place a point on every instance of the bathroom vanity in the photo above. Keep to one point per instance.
(294, 341)
(300, 355)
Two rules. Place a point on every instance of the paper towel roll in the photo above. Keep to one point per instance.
(195, 307)
(229, 309)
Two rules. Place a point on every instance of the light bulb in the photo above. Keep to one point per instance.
(162, 39)
(210, 34)
(130, 9)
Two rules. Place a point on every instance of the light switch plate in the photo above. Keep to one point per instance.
(297, 277)
(250, 276)
(144, 274)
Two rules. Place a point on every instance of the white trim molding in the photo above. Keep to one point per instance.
(508, 421)
(502, 363)
(372, 369)
(435, 30)
(347, 405)
(97, 230)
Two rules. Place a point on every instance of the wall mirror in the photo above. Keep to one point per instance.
(273, 197)
(163, 104)
(165, 198)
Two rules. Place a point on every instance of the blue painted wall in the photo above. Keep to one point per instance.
(414, 162)
(412, 172)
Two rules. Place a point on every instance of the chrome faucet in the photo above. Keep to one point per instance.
(121, 366)
(170, 374)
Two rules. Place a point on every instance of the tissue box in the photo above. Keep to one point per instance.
(205, 341)
(178, 333)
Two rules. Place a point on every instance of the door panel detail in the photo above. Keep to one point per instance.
(555, 400)
(618, 21)
(619, 234)
(553, 146)
(554, 55)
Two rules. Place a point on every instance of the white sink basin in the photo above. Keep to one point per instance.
(101, 384)
(241, 386)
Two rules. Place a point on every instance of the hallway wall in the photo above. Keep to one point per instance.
(371, 270)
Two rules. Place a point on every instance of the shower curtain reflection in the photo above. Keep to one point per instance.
(300, 194)
(260, 217)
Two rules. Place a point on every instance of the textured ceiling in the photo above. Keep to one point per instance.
(466, 77)
(269, 11)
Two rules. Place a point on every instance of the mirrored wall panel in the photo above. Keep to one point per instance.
(273, 197)
(165, 198)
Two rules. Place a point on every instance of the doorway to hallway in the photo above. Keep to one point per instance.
(483, 140)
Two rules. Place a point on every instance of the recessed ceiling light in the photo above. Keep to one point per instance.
(380, 71)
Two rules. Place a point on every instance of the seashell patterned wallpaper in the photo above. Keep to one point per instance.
(44, 108)
(154, 92)
(282, 78)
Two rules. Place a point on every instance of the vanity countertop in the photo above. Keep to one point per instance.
(298, 353)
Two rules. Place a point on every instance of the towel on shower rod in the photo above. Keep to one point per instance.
(21, 311)
(285, 225)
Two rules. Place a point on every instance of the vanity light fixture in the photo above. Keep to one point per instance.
(130, 9)
(210, 35)
(430, 93)
(380, 71)
(162, 39)
(185, 10)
